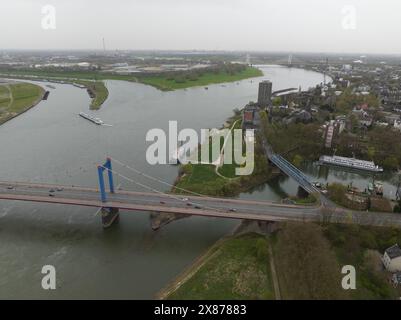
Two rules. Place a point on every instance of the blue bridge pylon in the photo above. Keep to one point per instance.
(100, 169)
(109, 215)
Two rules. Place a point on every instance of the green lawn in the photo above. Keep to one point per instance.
(236, 269)
(203, 179)
(166, 84)
(161, 82)
(4, 96)
(24, 96)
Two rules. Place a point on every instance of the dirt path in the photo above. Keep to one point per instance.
(220, 160)
(10, 93)
(276, 286)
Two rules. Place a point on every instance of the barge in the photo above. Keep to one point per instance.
(90, 118)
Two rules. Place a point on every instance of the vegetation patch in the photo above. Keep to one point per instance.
(361, 247)
(307, 266)
(200, 77)
(99, 91)
(237, 269)
(17, 98)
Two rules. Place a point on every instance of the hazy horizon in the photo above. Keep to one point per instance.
(309, 26)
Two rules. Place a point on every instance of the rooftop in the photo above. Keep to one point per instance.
(394, 251)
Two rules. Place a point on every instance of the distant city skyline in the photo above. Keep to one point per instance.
(331, 26)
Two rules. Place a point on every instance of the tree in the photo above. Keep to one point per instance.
(297, 161)
(262, 251)
(391, 163)
(307, 263)
(371, 152)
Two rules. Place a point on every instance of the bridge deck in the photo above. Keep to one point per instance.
(200, 206)
(151, 202)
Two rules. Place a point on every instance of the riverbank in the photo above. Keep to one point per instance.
(221, 180)
(352, 198)
(293, 261)
(94, 81)
(97, 91)
(17, 98)
(215, 180)
(236, 267)
(169, 83)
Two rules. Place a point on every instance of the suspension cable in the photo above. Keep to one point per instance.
(157, 179)
(154, 190)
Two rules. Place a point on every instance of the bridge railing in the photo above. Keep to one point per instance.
(292, 171)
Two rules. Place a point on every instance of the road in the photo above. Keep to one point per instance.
(197, 206)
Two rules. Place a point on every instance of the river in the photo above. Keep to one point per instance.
(52, 144)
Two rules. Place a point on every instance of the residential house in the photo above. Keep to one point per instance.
(392, 258)
(396, 279)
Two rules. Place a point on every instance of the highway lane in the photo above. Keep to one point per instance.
(193, 205)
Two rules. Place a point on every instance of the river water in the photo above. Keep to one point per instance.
(52, 144)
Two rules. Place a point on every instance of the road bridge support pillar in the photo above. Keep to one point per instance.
(302, 193)
(109, 216)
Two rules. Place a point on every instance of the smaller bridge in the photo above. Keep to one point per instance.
(290, 170)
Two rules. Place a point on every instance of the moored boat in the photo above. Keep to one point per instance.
(351, 163)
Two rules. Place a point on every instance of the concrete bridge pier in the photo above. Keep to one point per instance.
(109, 216)
(268, 227)
(302, 193)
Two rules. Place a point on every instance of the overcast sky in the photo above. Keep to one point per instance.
(363, 26)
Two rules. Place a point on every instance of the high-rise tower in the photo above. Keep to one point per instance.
(265, 94)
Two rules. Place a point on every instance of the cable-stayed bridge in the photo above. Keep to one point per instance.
(194, 204)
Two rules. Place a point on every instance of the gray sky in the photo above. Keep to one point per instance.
(268, 25)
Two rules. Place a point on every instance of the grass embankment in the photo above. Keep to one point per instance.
(99, 90)
(309, 259)
(66, 75)
(162, 81)
(168, 83)
(238, 268)
(203, 178)
(16, 98)
(92, 80)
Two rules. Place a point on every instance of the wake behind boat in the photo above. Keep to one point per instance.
(91, 118)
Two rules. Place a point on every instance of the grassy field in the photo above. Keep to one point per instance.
(65, 75)
(16, 98)
(203, 179)
(161, 82)
(238, 268)
(166, 84)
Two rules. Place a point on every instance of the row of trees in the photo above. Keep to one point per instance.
(380, 144)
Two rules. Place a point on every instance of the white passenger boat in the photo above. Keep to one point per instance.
(350, 163)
